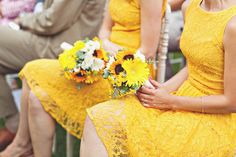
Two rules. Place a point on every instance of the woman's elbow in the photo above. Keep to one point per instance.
(231, 105)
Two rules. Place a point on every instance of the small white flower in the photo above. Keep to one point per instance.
(111, 60)
(76, 70)
(88, 61)
(97, 45)
(91, 46)
(140, 55)
(97, 65)
(108, 65)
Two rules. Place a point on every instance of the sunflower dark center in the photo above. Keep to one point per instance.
(79, 74)
(126, 57)
(118, 69)
(95, 54)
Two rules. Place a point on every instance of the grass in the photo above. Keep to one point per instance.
(176, 67)
(1, 123)
(61, 133)
(61, 144)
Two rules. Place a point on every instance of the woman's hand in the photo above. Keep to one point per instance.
(111, 47)
(155, 98)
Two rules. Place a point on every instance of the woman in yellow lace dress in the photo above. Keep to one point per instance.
(198, 119)
(44, 85)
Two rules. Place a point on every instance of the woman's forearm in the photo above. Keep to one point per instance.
(104, 34)
(176, 81)
(217, 104)
(151, 15)
(105, 30)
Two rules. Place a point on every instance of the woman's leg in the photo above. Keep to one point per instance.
(42, 128)
(22, 142)
(91, 145)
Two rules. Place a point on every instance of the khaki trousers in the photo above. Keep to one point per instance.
(16, 49)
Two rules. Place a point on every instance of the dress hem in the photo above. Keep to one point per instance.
(57, 114)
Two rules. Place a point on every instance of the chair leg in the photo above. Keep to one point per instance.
(54, 143)
(69, 145)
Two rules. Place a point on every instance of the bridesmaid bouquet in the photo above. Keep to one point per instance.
(83, 62)
(127, 72)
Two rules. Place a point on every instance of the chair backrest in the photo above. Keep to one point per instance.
(163, 46)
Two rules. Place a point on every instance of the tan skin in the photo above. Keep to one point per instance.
(91, 145)
(176, 4)
(217, 104)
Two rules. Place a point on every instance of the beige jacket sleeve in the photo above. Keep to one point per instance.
(55, 19)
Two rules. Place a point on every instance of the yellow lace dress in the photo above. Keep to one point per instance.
(128, 129)
(59, 96)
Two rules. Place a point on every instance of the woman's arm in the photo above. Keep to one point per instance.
(225, 103)
(107, 24)
(176, 4)
(151, 14)
(105, 32)
(176, 81)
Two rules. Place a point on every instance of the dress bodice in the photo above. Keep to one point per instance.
(204, 50)
(126, 17)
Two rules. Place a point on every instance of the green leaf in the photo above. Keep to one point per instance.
(106, 74)
(80, 55)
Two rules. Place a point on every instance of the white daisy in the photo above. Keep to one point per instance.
(140, 55)
(88, 61)
(97, 65)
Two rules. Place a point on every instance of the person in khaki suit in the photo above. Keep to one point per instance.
(40, 37)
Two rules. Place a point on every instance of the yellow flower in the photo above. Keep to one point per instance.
(137, 72)
(97, 39)
(91, 78)
(67, 61)
(78, 45)
(125, 54)
(116, 67)
(68, 75)
(120, 79)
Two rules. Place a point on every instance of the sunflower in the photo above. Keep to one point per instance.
(79, 77)
(125, 54)
(120, 80)
(137, 72)
(98, 54)
(116, 67)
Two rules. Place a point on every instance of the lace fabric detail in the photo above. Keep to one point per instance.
(127, 21)
(127, 128)
(60, 97)
(204, 50)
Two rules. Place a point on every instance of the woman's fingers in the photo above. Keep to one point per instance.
(145, 96)
(147, 91)
(154, 83)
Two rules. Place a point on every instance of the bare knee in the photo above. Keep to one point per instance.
(89, 125)
(35, 106)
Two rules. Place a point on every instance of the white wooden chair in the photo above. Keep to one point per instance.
(163, 47)
(161, 67)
